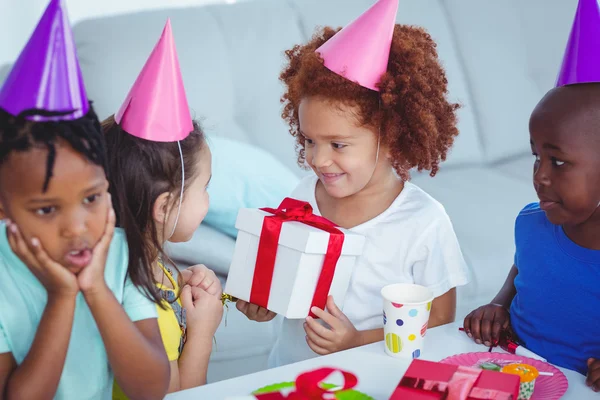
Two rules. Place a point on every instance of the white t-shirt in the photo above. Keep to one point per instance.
(410, 242)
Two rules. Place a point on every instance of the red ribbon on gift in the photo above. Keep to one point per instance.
(300, 211)
(459, 387)
(308, 386)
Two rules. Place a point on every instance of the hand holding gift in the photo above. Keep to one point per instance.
(254, 312)
(340, 335)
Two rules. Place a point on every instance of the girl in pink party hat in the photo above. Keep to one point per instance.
(159, 168)
(551, 298)
(367, 104)
(71, 317)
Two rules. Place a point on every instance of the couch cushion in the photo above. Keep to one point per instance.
(511, 61)
(483, 205)
(256, 35)
(244, 176)
(113, 50)
(520, 168)
(241, 346)
(429, 14)
(208, 246)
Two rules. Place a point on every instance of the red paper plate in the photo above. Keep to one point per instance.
(546, 387)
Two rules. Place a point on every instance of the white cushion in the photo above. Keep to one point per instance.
(241, 346)
(520, 168)
(493, 55)
(256, 35)
(208, 246)
(113, 50)
(430, 15)
(483, 205)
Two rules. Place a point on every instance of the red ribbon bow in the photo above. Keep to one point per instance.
(293, 210)
(308, 386)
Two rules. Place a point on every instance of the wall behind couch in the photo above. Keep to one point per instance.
(19, 17)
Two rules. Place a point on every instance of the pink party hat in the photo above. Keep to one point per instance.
(156, 107)
(581, 62)
(360, 52)
(47, 75)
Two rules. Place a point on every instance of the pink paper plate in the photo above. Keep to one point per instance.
(546, 387)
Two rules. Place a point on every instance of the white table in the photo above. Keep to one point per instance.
(378, 374)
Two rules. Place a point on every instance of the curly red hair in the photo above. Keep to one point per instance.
(416, 121)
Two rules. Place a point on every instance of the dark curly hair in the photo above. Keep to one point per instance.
(416, 120)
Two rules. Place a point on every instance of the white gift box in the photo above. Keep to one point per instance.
(300, 254)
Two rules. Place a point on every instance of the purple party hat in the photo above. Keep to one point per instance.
(47, 75)
(581, 62)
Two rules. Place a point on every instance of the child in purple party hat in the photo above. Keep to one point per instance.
(551, 298)
(71, 319)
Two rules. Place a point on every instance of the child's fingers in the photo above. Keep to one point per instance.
(41, 255)
(334, 309)
(22, 249)
(467, 324)
(242, 306)
(109, 230)
(320, 329)
(186, 298)
(186, 274)
(476, 327)
(329, 319)
(315, 337)
(316, 348)
(497, 328)
(487, 325)
(593, 367)
(198, 275)
(593, 381)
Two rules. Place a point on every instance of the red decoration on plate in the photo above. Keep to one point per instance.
(546, 387)
(397, 305)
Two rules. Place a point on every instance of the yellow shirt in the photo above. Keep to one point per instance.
(171, 322)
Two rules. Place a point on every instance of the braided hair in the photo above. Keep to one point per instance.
(19, 133)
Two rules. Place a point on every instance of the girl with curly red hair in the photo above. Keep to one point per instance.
(361, 139)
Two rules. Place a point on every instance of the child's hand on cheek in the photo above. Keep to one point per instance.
(57, 280)
(91, 279)
(593, 375)
(341, 334)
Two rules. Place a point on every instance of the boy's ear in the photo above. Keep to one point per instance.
(161, 208)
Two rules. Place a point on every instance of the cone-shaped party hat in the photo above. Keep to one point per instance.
(47, 75)
(156, 107)
(360, 52)
(581, 62)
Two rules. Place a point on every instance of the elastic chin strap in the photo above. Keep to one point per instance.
(181, 194)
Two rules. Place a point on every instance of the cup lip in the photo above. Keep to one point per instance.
(414, 303)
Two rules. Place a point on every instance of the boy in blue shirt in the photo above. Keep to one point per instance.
(551, 298)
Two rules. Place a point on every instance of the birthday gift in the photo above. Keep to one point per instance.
(431, 380)
(288, 259)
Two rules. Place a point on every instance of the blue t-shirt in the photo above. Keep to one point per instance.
(86, 373)
(556, 312)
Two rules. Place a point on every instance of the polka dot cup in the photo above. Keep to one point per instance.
(406, 310)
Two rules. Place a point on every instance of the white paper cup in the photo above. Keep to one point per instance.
(406, 309)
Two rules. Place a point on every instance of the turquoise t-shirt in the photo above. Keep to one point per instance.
(86, 373)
